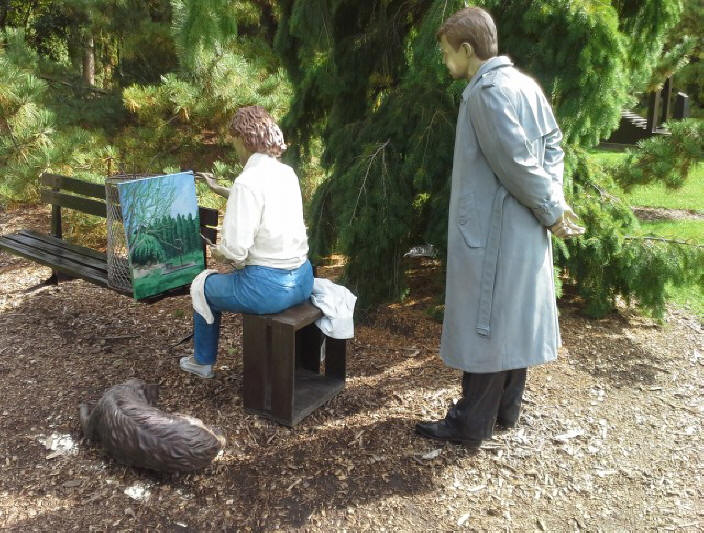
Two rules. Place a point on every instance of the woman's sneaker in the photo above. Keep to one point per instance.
(189, 364)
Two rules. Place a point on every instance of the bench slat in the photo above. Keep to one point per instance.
(92, 207)
(99, 277)
(63, 249)
(44, 237)
(75, 185)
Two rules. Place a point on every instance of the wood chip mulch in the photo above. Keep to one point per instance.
(610, 437)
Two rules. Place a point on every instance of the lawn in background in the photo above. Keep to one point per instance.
(691, 297)
(683, 230)
(690, 196)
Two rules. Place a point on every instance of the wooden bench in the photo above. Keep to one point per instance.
(68, 260)
(282, 364)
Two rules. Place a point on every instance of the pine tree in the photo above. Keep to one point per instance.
(373, 87)
(183, 120)
(690, 78)
(664, 159)
(26, 125)
(168, 76)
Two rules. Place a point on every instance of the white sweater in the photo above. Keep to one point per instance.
(263, 222)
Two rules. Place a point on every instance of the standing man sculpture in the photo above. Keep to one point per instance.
(500, 311)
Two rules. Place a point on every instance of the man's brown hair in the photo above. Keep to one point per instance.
(258, 131)
(471, 25)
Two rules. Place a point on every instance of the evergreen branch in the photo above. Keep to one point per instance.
(75, 87)
(366, 175)
(427, 132)
(605, 195)
(6, 126)
(661, 239)
(667, 159)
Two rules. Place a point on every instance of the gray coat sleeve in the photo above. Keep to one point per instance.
(554, 163)
(504, 143)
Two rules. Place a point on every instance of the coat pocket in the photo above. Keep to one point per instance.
(468, 221)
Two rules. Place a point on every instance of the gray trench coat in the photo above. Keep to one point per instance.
(500, 310)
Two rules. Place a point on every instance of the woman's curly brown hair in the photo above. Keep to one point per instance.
(258, 131)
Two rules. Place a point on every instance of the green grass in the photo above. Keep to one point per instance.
(686, 230)
(691, 298)
(606, 157)
(690, 196)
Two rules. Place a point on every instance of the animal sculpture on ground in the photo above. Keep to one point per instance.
(135, 432)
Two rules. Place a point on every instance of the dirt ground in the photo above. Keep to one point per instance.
(660, 213)
(610, 438)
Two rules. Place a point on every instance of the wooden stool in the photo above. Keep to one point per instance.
(282, 364)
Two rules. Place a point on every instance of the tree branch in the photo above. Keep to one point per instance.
(76, 87)
(366, 175)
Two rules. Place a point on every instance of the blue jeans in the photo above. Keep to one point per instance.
(256, 290)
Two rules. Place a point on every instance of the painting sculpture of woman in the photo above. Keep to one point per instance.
(263, 235)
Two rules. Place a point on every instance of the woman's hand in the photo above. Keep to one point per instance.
(217, 255)
(208, 177)
(210, 180)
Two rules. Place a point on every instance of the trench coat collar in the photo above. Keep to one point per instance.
(491, 64)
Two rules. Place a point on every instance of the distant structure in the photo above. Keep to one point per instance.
(634, 128)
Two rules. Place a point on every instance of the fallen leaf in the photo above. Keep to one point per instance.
(432, 454)
(564, 437)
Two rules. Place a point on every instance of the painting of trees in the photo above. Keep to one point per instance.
(161, 223)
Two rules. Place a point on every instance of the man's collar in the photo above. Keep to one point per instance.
(488, 66)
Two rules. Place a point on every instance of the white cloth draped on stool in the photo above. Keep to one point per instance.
(337, 304)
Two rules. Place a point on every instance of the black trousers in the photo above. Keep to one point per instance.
(486, 400)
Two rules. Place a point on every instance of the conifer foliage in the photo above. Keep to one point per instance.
(25, 123)
(98, 87)
(370, 82)
(183, 119)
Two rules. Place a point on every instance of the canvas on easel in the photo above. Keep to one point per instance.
(162, 230)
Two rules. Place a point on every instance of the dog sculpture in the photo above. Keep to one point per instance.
(134, 432)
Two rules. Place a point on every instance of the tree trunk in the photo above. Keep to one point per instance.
(4, 8)
(268, 20)
(89, 61)
(31, 7)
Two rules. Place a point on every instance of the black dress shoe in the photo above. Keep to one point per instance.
(441, 430)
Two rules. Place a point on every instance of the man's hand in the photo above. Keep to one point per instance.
(566, 226)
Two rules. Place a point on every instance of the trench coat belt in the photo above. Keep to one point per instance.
(491, 259)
